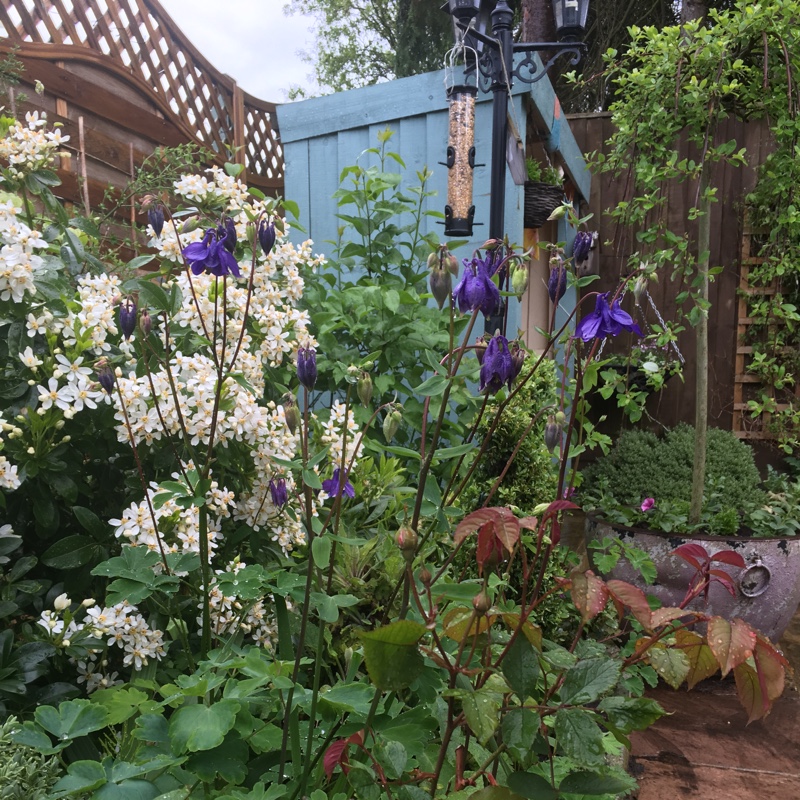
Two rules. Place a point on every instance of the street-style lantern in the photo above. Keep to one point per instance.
(463, 10)
(570, 19)
(459, 211)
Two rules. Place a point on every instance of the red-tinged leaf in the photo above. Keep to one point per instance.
(729, 557)
(489, 547)
(336, 754)
(632, 598)
(559, 505)
(664, 615)
(555, 531)
(771, 667)
(722, 577)
(702, 663)
(589, 594)
(731, 642)
(749, 692)
(473, 522)
(529, 523)
(693, 554)
(504, 523)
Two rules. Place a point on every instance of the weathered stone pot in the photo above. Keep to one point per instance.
(767, 589)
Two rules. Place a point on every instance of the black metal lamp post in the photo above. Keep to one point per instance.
(498, 69)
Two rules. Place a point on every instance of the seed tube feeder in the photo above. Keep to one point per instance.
(459, 211)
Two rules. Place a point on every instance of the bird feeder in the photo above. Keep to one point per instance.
(459, 211)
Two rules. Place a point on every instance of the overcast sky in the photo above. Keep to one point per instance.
(253, 41)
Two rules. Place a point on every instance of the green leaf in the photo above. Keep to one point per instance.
(393, 758)
(73, 718)
(122, 703)
(90, 522)
(391, 654)
(311, 479)
(83, 776)
(200, 727)
(150, 294)
(531, 786)
(321, 551)
(670, 663)
(602, 782)
(72, 552)
(138, 262)
(578, 736)
(521, 667)
(495, 793)
(519, 728)
(229, 761)
(435, 385)
(482, 710)
(589, 679)
(631, 713)
(353, 698)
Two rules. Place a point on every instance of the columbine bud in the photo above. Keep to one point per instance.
(105, 377)
(391, 423)
(552, 433)
(155, 216)
(62, 602)
(425, 577)
(561, 417)
(364, 389)
(307, 367)
(407, 540)
(266, 235)
(519, 280)
(291, 413)
(451, 262)
(441, 283)
(145, 322)
(127, 317)
(481, 603)
(557, 284)
(480, 348)
(353, 374)
(518, 356)
(191, 224)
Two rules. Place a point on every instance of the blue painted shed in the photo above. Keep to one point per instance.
(322, 136)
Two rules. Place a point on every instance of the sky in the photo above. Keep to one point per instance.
(253, 41)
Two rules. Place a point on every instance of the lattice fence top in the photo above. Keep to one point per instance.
(140, 35)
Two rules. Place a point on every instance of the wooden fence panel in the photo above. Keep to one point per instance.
(676, 403)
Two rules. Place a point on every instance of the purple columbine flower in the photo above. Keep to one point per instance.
(307, 366)
(155, 216)
(127, 317)
(278, 492)
(476, 288)
(105, 377)
(557, 285)
(338, 484)
(498, 365)
(227, 235)
(648, 503)
(211, 255)
(605, 321)
(266, 235)
(581, 246)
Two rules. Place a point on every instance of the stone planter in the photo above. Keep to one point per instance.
(767, 589)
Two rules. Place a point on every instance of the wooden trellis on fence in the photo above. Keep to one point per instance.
(66, 44)
(748, 386)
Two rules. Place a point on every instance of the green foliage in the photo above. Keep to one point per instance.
(533, 474)
(642, 464)
(24, 773)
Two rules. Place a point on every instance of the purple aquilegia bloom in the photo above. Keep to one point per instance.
(266, 235)
(557, 284)
(155, 216)
(307, 366)
(581, 246)
(605, 321)
(338, 484)
(648, 503)
(105, 377)
(476, 288)
(127, 317)
(498, 365)
(212, 254)
(278, 493)
(227, 235)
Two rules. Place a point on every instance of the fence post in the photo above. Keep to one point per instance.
(240, 156)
